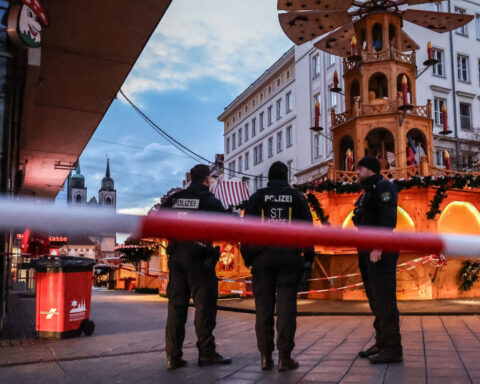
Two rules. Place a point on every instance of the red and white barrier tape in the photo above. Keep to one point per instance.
(361, 283)
(414, 261)
(413, 264)
(202, 227)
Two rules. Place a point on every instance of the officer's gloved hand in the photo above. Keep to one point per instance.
(212, 256)
(303, 284)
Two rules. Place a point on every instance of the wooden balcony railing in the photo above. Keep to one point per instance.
(341, 118)
(388, 174)
(362, 110)
(373, 57)
(439, 172)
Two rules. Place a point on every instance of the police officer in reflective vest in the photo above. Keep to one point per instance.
(192, 274)
(277, 271)
(377, 207)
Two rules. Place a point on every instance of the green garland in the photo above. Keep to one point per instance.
(140, 253)
(435, 203)
(317, 207)
(443, 183)
(468, 275)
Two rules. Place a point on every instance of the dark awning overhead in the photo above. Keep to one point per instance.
(87, 52)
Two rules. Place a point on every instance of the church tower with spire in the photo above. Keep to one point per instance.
(77, 192)
(107, 195)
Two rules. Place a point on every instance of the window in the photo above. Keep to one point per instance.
(316, 146)
(269, 115)
(290, 167)
(270, 147)
(333, 97)
(463, 68)
(462, 30)
(258, 154)
(258, 182)
(331, 60)
(279, 142)
(279, 109)
(234, 141)
(240, 137)
(437, 7)
(477, 26)
(247, 158)
(240, 163)
(316, 65)
(438, 69)
(254, 127)
(227, 145)
(289, 137)
(438, 105)
(288, 102)
(231, 169)
(262, 127)
(465, 116)
(246, 132)
(479, 71)
(440, 159)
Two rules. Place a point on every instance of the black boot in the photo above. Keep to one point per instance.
(373, 350)
(215, 359)
(267, 362)
(386, 356)
(286, 363)
(175, 363)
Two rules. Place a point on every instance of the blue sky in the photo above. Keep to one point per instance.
(201, 56)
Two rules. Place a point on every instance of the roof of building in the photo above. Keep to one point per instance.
(77, 174)
(79, 240)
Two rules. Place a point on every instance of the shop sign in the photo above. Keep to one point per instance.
(26, 21)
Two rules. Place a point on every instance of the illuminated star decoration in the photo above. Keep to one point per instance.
(74, 303)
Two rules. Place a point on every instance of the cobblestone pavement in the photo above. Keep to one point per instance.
(128, 347)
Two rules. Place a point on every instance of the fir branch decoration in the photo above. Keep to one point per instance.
(468, 275)
(317, 207)
(135, 251)
(444, 183)
(437, 200)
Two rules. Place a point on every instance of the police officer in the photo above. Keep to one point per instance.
(377, 207)
(192, 274)
(276, 271)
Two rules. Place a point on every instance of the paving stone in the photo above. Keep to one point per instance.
(128, 347)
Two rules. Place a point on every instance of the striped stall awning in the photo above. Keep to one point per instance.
(231, 193)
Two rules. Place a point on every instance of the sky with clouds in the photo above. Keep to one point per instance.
(201, 56)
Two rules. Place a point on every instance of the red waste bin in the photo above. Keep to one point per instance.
(64, 290)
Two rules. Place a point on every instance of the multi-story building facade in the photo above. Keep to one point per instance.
(271, 119)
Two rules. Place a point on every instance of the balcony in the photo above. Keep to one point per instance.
(375, 109)
(388, 54)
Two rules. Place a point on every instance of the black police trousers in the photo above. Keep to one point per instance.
(191, 279)
(277, 284)
(380, 282)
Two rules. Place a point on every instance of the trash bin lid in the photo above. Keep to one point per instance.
(63, 264)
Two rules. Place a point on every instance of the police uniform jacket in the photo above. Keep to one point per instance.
(377, 206)
(197, 197)
(281, 204)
